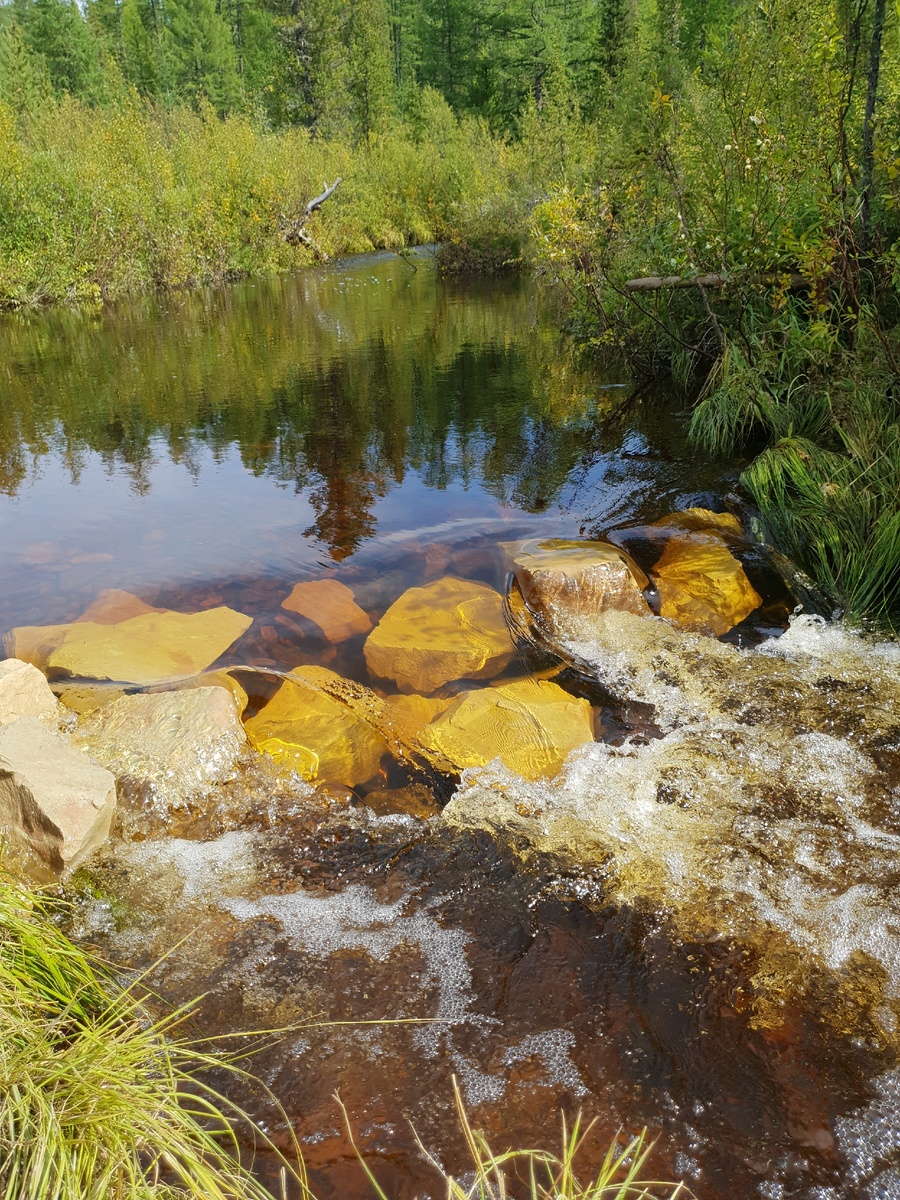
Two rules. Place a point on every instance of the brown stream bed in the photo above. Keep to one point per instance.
(694, 928)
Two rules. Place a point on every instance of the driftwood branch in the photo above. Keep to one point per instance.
(292, 228)
(655, 283)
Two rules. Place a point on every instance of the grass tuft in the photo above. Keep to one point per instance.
(98, 1101)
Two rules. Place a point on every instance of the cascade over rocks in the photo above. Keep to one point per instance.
(450, 629)
(530, 725)
(575, 577)
(314, 734)
(177, 744)
(331, 605)
(53, 798)
(24, 692)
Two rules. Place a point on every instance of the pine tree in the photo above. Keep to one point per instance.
(57, 32)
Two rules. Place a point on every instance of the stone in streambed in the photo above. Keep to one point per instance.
(417, 711)
(24, 692)
(449, 629)
(701, 585)
(701, 520)
(330, 605)
(151, 648)
(560, 578)
(315, 734)
(53, 797)
(178, 744)
(530, 725)
(114, 605)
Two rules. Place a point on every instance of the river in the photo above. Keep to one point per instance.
(693, 927)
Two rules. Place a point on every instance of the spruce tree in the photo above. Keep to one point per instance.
(372, 80)
(203, 58)
(23, 77)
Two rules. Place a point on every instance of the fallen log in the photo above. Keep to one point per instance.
(292, 227)
(655, 283)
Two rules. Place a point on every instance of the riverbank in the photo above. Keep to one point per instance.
(99, 203)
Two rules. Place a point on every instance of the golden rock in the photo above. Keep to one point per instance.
(417, 711)
(315, 734)
(152, 648)
(561, 578)
(331, 605)
(701, 520)
(449, 629)
(702, 586)
(530, 725)
(114, 605)
(85, 698)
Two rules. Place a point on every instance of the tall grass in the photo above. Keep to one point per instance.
(540, 1174)
(98, 1101)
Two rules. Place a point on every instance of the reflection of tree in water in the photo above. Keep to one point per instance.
(460, 384)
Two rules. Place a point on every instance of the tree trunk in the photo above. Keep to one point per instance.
(867, 152)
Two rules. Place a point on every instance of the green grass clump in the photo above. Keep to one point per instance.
(98, 1101)
(544, 1175)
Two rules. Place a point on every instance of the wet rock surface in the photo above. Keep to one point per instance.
(54, 798)
(309, 731)
(450, 629)
(176, 745)
(578, 577)
(702, 586)
(530, 725)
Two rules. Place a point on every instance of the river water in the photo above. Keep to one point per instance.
(694, 927)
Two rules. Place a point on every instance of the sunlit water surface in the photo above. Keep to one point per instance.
(372, 423)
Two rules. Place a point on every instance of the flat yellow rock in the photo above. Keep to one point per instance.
(34, 643)
(701, 520)
(331, 605)
(449, 629)
(316, 735)
(561, 578)
(418, 711)
(702, 586)
(530, 725)
(152, 648)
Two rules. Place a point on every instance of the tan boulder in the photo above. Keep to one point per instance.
(178, 743)
(561, 579)
(53, 797)
(446, 630)
(151, 648)
(701, 585)
(331, 605)
(530, 725)
(316, 735)
(24, 692)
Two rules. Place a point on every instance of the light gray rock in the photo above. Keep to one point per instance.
(53, 798)
(173, 745)
(24, 692)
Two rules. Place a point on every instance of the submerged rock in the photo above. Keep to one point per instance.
(177, 744)
(701, 520)
(53, 797)
(85, 698)
(417, 711)
(561, 577)
(701, 585)
(315, 734)
(147, 649)
(450, 629)
(530, 725)
(331, 605)
(24, 692)
(114, 605)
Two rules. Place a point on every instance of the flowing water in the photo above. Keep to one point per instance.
(694, 926)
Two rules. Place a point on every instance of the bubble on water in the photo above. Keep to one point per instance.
(194, 869)
(554, 1047)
